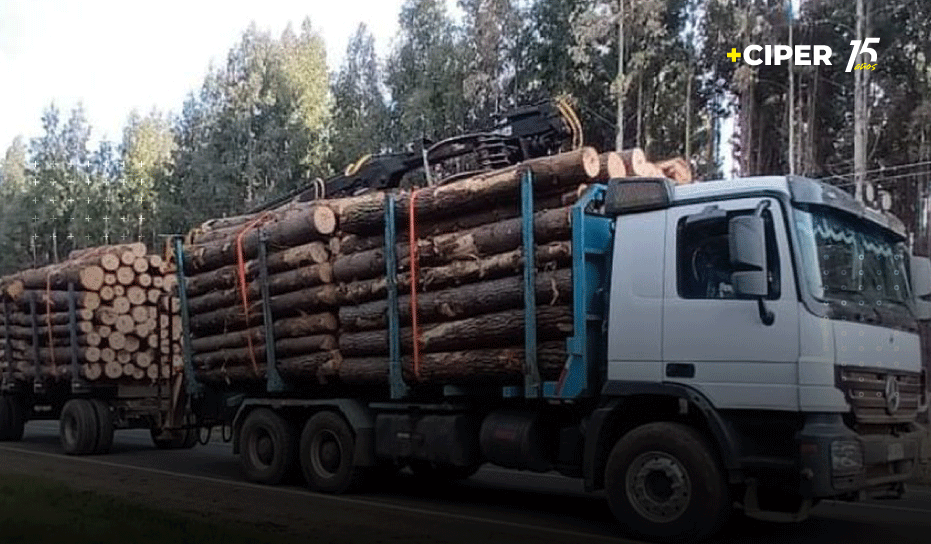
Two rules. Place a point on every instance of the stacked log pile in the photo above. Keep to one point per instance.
(636, 164)
(327, 283)
(126, 323)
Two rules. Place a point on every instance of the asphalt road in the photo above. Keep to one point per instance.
(500, 499)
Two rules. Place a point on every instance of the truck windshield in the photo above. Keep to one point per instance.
(853, 264)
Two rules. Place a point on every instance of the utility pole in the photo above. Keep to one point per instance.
(619, 142)
(860, 111)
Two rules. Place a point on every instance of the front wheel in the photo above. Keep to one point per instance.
(664, 483)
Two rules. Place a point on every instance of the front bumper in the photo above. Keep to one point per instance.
(857, 462)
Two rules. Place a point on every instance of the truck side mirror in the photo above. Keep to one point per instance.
(920, 278)
(747, 240)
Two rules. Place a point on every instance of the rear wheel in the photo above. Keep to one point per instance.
(664, 483)
(104, 426)
(78, 430)
(266, 447)
(12, 419)
(327, 448)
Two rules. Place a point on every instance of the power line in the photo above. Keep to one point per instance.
(898, 177)
(881, 169)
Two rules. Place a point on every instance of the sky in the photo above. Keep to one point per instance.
(115, 56)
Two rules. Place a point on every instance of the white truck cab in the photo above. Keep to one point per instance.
(791, 312)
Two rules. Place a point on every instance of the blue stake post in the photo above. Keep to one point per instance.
(531, 369)
(193, 387)
(399, 388)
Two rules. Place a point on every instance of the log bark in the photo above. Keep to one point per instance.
(459, 272)
(287, 259)
(549, 225)
(477, 366)
(365, 214)
(316, 224)
(282, 282)
(284, 348)
(489, 330)
(233, 317)
(58, 300)
(460, 302)
(283, 328)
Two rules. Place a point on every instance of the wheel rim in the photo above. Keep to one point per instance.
(658, 486)
(326, 454)
(262, 448)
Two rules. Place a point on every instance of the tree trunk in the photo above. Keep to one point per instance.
(550, 225)
(366, 213)
(233, 317)
(283, 328)
(460, 302)
(282, 282)
(459, 272)
(489, 330)
(317, 224)
(288, 259)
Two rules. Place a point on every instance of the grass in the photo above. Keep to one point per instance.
(35, 510)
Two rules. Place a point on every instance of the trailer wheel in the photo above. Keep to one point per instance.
(664, 483)
(78, 427)
(327, 447)
(266, 447)
(12, 419)
(104, 426)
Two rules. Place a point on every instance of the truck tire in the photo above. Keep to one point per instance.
(12, 419)
(78, 427)
(266, 447)
(664, 483)
(327, 448)
(104, 426)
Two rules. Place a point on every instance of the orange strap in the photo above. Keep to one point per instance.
(412, 239)
(243, 290)
(48, 321)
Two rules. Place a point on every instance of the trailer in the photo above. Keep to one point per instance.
(720, 355)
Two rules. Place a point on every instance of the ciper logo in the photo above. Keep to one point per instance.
(806, 55)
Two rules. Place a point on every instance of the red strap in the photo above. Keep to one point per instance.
(412, 239)
(241, 277)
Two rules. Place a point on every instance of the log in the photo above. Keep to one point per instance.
(279, 283)
(117, 340)
(283, 328)
(287, 259)
(364, 214)
(475, 366)
(284, 347)
(635, 162)
(124, 356)
(140, 265)
(92, 371)
(313, 224)
(676, 169)
(232, 318)
(58, 300)
(156, 262)
(109, 278)
(459, 302)
(549, 226)
(611, 166)
(113, 369)
(107, 293)
(125, 275)
(459, 272)
(119, 290)
(110, 263)
(137, 295)
(489, 330)
(306, 367)
(144, 280)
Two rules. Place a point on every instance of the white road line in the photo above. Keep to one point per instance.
(879, 506)
(335, 498)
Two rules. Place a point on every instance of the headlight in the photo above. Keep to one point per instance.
(846, 457)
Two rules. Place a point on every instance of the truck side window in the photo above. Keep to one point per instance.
(704, 265)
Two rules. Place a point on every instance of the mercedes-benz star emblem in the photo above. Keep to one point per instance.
(893, 398)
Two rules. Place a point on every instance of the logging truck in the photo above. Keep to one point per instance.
(687, 349)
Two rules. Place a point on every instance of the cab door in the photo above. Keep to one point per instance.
(714, 340)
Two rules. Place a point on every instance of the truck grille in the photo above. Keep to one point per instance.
(866, 391)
